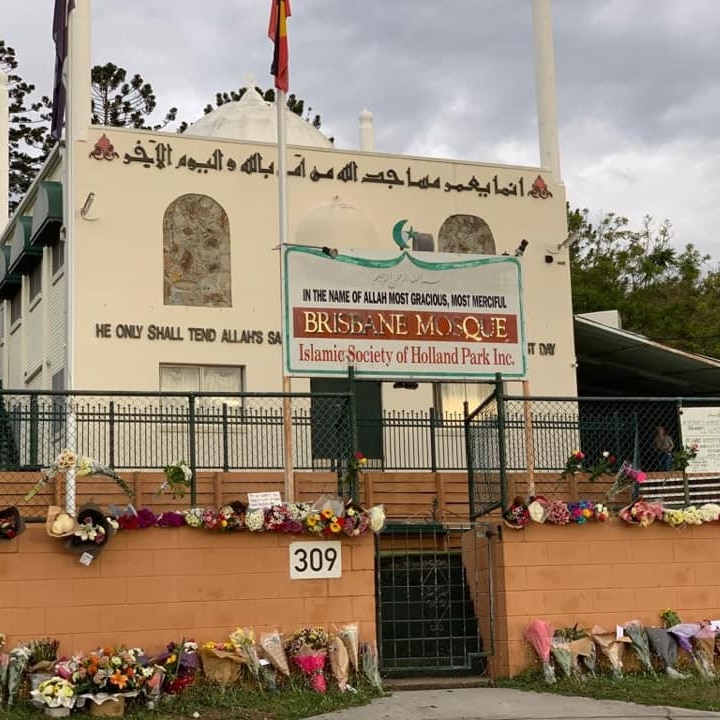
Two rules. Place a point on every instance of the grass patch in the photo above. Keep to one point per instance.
(293, 702)
(693, 692)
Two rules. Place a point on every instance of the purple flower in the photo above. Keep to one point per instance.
(146, 518)
(170, 519)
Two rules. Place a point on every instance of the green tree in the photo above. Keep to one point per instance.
(662, 291)
(30, 139)
(119, 102)
(294, 104)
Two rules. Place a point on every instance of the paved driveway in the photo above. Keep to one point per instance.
(501, 704)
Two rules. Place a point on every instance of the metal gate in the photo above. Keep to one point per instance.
(434, 597)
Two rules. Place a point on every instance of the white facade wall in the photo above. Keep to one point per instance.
(118, 268)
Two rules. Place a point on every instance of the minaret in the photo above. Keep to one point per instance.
(4, 151)
(367, 131)
(545, 87)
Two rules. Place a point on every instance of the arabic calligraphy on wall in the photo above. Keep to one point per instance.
(162, 156)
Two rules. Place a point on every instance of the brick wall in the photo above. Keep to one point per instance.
(152, 586)
(603, 574)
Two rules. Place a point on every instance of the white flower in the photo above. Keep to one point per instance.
(606, 454)
(255, 519)
(376, 516)
(710, 512)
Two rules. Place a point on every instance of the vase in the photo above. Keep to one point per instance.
(111, 707)
(57, 712)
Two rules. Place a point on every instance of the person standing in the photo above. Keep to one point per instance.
(664, 445)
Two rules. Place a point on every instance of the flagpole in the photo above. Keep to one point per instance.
(289, 476)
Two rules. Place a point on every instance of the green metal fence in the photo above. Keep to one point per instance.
(143, 431)
(515, 434)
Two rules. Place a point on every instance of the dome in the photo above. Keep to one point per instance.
(337, 224)
(252, 118)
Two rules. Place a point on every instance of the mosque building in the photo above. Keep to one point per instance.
(146, 261)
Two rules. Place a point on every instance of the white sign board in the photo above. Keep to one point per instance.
(423, 316)
(315, 560)
(701, 425)
(264, 499)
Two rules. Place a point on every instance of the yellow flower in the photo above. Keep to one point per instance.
(327, 514)
(334, 527)
(312, 520)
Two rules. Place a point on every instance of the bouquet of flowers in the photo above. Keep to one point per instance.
(604, 466)
(308, 649)
(231, 517)
(356, 520)
(17, 664)
(83, 466)
(685, 455)
(517, 515)
(601, 512)
(582, 511)
(538, 509)
(55, 693)
(664, 645)
(642, 513)
(287, 518)
(626, 477)
(683, 516)
(574, 464)
(612, 648)
(11, 524)
(274, 650)
(221, 664)
(111, 670)
(255, 520)
(369, 654)
(356, 464)
(339, 662)
(242, 641)
(540, 635)
(704, 646)
(685, 633)
(350, 635)
(178, 479)
(132, 519)
(640, 644)
(194, 517)
(180, 662)
(558, 513)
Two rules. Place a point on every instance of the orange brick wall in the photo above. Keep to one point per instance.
(603, 574)
(152, 586)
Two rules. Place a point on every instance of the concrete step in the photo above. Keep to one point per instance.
(435, 683)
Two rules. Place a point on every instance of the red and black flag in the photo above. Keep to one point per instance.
(277, 31)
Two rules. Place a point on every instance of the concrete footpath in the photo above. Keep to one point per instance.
(500, 704)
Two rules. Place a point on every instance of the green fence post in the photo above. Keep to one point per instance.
(433, 438)
(500, 395)
(33, 430)
(111, 433)
(353, 430)
(191, 446)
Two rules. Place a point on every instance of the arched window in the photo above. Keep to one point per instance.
(467, 234)
(196, 253)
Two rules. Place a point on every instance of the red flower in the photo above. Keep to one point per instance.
(129, 522)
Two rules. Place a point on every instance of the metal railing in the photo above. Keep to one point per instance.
(535, 437)
(134, 431)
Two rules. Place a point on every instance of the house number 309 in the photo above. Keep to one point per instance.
(315, 560)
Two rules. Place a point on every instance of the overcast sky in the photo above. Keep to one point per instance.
(638, 82)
